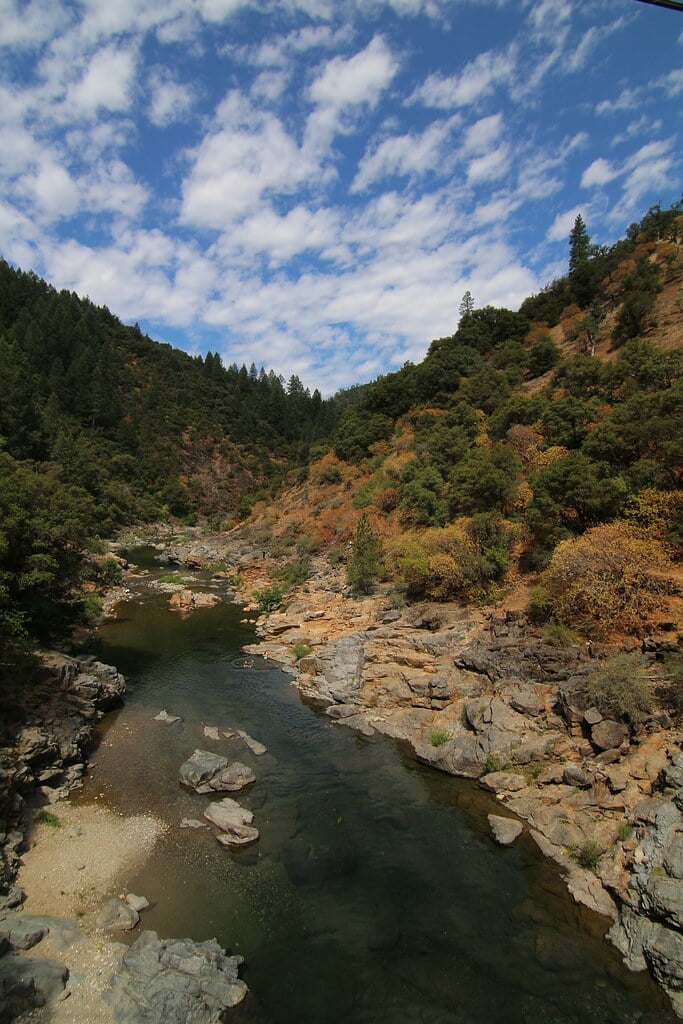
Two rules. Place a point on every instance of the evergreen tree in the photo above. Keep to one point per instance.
(365, 563)
(579, 245)
(466, 305)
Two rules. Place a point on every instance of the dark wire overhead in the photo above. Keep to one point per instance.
(673, 5)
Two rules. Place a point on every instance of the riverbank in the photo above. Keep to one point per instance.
(60, 961)
(482, 694)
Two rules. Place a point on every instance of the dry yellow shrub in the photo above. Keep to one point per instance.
(549, 456)
(612, 577)
(655, 510)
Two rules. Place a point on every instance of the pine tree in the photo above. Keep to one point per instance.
(579, 245)
(365, 563)
(466, 305)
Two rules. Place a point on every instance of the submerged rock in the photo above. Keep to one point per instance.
(174, 981)
(505, 830)
(233, 820)
(167, 719)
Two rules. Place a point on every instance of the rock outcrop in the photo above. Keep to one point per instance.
(488, 698)
(43, 754)
(174, 981)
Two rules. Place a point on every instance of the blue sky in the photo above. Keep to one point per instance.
(312, 185)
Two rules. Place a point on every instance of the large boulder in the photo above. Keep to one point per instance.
(28, 982)
(174, 981)
(200, 768)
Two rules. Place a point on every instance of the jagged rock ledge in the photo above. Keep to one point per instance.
(43, 757)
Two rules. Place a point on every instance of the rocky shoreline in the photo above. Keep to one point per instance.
(476, 694)
(485, 696)
(52, 962)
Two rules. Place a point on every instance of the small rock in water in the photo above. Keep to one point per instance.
(505, 830)
(254, 745)
(138, 903)
(167, 719)
(201, 767)
(233, 820)
(193, 823)
(235, 777)
(211, 732)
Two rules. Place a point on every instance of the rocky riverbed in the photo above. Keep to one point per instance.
(60, 960)
(485, 696)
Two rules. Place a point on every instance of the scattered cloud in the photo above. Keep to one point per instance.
(411, 155)
(600, 172)
(360, 79)
(313, 184)
(479, 78)
(170, 101)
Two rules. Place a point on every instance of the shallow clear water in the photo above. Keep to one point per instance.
(375, 893)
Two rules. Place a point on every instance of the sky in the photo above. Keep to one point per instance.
(312, 185)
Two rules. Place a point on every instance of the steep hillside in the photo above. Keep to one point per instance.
(526, 442)
(146, 429)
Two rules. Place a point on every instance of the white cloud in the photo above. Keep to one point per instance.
(628, 99)
(409, 155)
(477, 79)
(28, 26)
(600, 172)
(270, 85)
(483, 133)
(107, 82)
(360, 79)
(52, 188)
(489, 167)
(282, 237)
(236, 164)
(170, 101)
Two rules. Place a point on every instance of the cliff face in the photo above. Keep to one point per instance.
(43, 756)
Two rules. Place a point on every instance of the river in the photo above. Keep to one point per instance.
(375, 893)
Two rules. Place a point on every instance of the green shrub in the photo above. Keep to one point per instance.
(335, 556)
(300, 651)
(540, 604)
(560, 636)
(588, 855)
(620, 686)
(45, 818)
(624, 831)
(439, 737)
(110, 572)
(177, 578)
(91, 607)
(493, 763)
(294, 573)
(269, 598)
(330, 475)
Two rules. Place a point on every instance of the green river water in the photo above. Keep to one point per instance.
(375, 893)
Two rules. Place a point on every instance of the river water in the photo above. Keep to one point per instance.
(375, 894)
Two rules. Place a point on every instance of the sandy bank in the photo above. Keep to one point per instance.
(70, 871)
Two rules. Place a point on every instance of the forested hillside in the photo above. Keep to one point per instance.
(101, 426)
(545, 439)
(521, 432)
